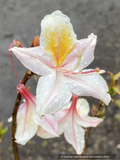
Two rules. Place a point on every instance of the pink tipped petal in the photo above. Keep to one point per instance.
(86, 121)
(51, 94)
(87, 46)
(48, 124)
(74, 134)
(90, 85)
(44, 134)
(35, 59)
(26, 127)
(60, 120)
(47, 134)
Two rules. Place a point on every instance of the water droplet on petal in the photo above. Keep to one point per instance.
(82, 141)
(56, 99)
(74, 84)
(38, 60)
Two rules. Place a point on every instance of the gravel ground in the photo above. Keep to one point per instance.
(21, 20)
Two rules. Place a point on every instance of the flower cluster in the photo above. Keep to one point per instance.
(60, 59)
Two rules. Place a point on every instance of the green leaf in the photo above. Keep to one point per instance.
(100, 114)
(112, 77)
(112, 100)
(103, 111)
(2, 131)
(103, 117)
(117, 76)
(117, 89)
(111, 91)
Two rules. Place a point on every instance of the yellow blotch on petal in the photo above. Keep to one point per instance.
(59, 42)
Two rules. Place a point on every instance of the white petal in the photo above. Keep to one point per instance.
(86, 121)
(26, 127)
(82, 106)
(44, 134)
(59, 117)
(57, 36)
(48, 124)
(21, 106)
(54, 21)
(74, 134)
(91, 85)
(35, 59)
(87, 46)
(51, 94)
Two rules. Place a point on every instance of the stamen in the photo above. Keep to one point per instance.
(79, 55)
(18, 44)
(92, 72)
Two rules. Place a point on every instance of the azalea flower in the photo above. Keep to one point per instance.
(70, 122)
(60, 59)
(28, 119)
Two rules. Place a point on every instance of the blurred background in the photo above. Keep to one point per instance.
(21, 20)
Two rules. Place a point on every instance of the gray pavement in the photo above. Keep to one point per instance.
(21, 20)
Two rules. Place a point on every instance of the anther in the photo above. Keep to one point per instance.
(97, 69)
(28, 88)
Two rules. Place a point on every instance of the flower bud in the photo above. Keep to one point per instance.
(35, 42)
(17, 43)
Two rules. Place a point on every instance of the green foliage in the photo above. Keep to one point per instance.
(114, 87)
(117, 76)
(2, 131)
(100, 114)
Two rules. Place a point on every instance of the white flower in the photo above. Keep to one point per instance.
(70, 122)
(28, 119)
(60, 59)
